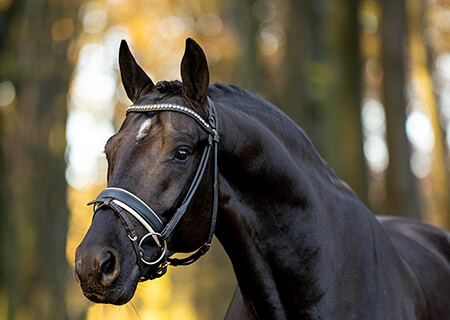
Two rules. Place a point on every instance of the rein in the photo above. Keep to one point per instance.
(123, 202)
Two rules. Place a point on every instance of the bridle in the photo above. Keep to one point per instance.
(125, 203)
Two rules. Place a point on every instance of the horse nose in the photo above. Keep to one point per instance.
(96, 266)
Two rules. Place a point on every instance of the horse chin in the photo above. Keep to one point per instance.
(120, 293)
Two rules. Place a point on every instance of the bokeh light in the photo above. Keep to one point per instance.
(62, 29)
(264, 10)
(420, 131)
(91, 112)
(374, 127)
(7, 94)
(209, 24)
(94, 18)
(5, 4)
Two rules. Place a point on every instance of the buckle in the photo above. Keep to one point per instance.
(204, 249)
(163, 249)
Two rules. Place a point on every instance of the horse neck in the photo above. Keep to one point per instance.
(282, 215)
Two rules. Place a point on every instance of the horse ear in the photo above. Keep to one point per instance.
(134, 79)
(194, 72)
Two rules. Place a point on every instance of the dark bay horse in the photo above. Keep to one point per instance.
(192, 158)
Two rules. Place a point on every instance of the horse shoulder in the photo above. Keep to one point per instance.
(236, 309)
(426, 250)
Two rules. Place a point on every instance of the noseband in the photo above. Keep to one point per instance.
(125, 203)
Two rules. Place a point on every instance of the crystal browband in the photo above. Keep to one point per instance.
(167, 106)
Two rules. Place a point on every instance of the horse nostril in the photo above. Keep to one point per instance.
(107, 265)
(109, 269)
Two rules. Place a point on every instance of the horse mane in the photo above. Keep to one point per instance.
(275, 120)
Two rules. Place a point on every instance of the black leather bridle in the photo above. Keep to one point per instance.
(125, 203)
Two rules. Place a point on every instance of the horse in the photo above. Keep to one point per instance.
(193, 159)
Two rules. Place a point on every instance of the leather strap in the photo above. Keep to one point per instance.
(122, 214)
(134, 202)
(204, 249)
(187, 199)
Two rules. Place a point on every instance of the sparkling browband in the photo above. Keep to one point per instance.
(167, 106)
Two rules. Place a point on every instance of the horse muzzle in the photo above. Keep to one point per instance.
(105, 264)
(100, 279)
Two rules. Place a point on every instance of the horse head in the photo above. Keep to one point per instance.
(160, 166)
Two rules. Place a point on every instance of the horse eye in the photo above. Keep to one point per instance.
(181, 155)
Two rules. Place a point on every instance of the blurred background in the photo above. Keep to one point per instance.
(368, 81)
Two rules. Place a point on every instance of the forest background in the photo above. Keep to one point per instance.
(368, 80)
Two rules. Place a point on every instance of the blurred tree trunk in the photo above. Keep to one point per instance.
(345, 153)
(440, 203)
(8, 235)
(249, 72)
(3, 217)
(3, 187)
(305, 75)
(322, 85)
(401, 190)
(37, 269)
